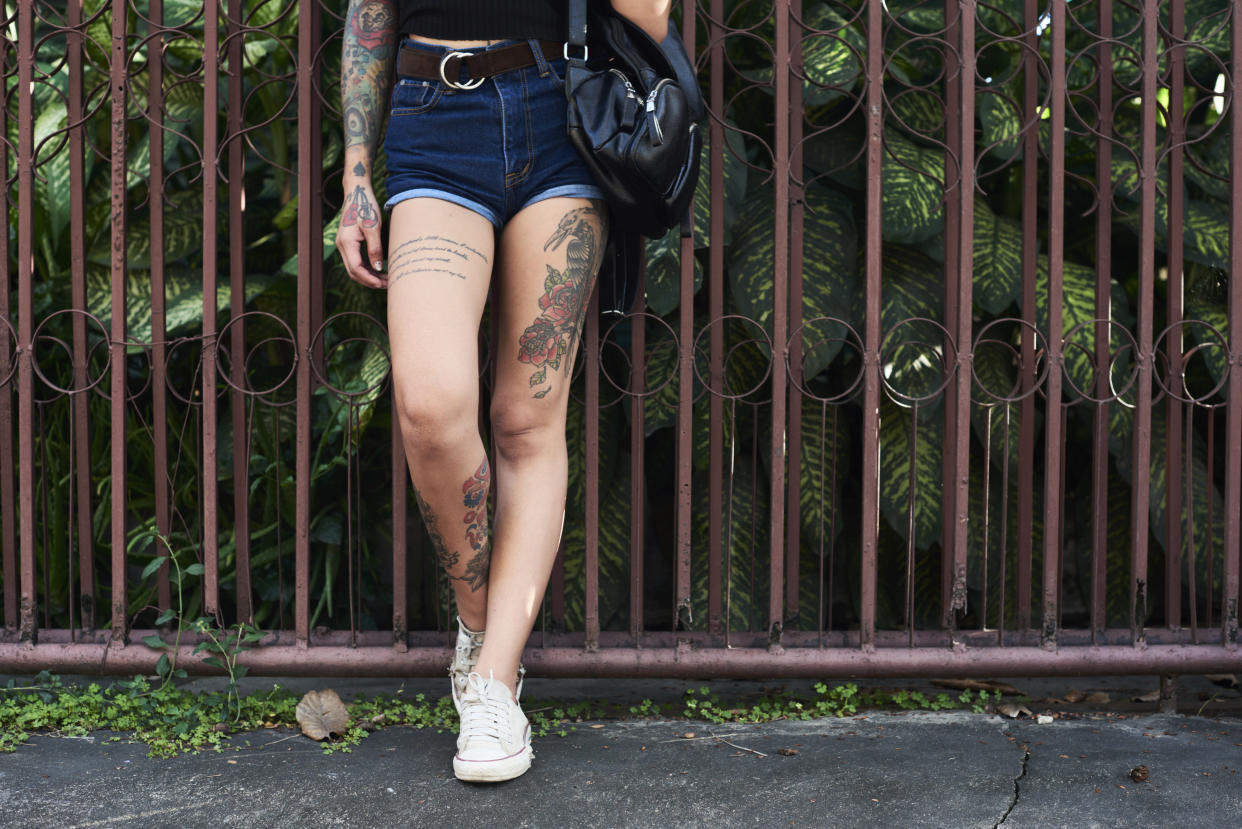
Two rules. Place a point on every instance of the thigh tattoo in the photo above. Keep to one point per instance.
(553, 336)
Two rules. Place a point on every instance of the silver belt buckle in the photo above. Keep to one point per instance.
(474, 84)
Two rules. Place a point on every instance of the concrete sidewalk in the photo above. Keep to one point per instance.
(909, 769)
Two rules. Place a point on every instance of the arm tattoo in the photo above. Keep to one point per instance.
(431, 254)
(553, 336)
(359, 210)
(367, 56)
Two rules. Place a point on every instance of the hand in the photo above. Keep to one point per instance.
(358, 236)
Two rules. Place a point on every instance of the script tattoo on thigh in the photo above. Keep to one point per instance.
(553, 336)
(474, 492)
(432, 254)
(359, 210)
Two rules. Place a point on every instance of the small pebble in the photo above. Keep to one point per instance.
(1044, 719)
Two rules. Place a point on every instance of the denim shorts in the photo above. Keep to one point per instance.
(494, 149)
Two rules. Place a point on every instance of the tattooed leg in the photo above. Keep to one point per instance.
(433, 324)
(546, 266)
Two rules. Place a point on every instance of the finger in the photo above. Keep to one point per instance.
(375, 247)
(356, 267)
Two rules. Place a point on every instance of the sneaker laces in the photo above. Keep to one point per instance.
(483, 715)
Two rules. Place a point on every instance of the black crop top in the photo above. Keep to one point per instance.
(483, 19)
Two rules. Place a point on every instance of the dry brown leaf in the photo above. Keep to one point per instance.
(788, 752)
(1139, 773)
(1098, 698)
(1012, 710)
(1223, 680)
(977, 685)
(689, 735)
(1074, 695)
(1150, 696)
(321, 713)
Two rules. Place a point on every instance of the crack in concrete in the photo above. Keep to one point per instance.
(1017, 788)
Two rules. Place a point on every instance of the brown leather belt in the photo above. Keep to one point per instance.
(417, 63)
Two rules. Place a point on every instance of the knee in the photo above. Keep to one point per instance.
(435, 421)
(526, 429)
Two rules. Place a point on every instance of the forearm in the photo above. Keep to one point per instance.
(367, 55)
(650, 15)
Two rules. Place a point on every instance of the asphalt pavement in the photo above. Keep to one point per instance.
(1077, 768)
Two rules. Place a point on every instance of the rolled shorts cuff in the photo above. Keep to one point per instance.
(445, 195)
(570, 191)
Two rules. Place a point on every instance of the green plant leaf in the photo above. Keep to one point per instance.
(153, 641)
(1207, 300)
(913, 191)
(997, 260)
(744, 567)
(195, 569)
(825, 466)
(896, 425)
(912, 287)
(832, 56)
(152, 566)
(663, 275)
(830, 286)
(1002, 123)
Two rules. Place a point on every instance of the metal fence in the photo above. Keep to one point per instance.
(949, 379)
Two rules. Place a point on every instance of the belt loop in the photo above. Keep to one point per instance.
(541, 60)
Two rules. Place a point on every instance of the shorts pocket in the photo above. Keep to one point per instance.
(410, 96)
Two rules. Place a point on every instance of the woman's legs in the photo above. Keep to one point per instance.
(547, 262)
(440, 262)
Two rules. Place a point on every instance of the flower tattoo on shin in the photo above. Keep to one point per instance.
(474, 492)
(553, 336)
(474, 498)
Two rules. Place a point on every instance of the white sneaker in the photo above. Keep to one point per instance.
(494, 742)
(465, 657)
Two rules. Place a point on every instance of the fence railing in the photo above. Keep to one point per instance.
(949, 378)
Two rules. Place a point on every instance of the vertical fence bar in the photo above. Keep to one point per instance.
(25, 315)
(1233, 410)
(211, 106)
(591, 554)
(1030, 277)
(780, 318)
(8, 514)
(1103, 306)
(871, 344)
(159, 351)
(685, 394)
(953, 256)
(306, 228)
(638, 436)
(117, 70)
(716, 288)
(1140, 496)
(1052, 420)
(1174, 407)
(237, 303)
(77, 274)
(965, 277)
(400, 598)
(793, 493)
